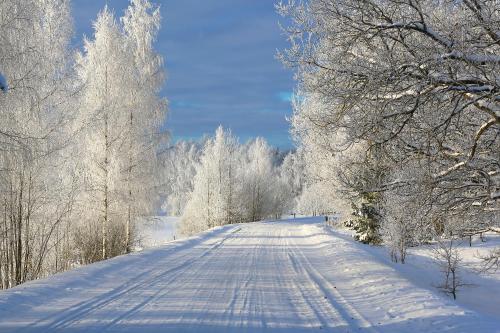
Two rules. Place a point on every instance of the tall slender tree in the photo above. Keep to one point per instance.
(105, 70)
(259, 180)
(147, 110)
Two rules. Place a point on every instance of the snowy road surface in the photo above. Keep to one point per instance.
(289, 276)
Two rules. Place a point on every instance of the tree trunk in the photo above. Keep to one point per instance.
(18, 237)
(106, 190)
(129, 217)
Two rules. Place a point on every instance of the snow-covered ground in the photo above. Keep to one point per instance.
(480, 290)
(286, 276)
(157, 230)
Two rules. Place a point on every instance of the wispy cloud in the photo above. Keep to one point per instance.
(285, 96)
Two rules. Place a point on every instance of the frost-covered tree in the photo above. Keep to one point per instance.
(289, 184)
(259, 179)
(146, 111)
(104, 69)
(314, 200)
(78, 139)
(233, 183)
(403, 224)
(339, 174)
(121, 77)
(293, 176)
(214, 200)
(412, 81)
(34, 116)
(179, 170)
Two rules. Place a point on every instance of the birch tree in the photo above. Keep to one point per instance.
(121, 76)
(259, 181)
(105, 70)
(214, 201)
(146, 111)
(179, 170)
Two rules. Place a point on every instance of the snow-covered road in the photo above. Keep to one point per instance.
(287, 276)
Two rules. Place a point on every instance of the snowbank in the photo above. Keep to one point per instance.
(481, 291)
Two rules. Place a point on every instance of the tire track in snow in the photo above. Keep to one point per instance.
(291, 282)
(312, 307)
(326, 289)
(185, 267)
(83, 309)
(239, 290)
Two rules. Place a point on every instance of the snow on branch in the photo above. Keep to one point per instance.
(450, 169)
(473, 58)
(479, 133)
(420, 27)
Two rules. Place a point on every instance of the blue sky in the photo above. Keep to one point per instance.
(221, 67)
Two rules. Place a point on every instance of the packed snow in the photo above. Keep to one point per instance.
(284, 276)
